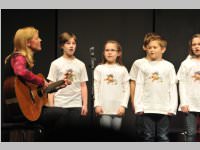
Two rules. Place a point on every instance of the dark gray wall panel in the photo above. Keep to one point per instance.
(177, 26)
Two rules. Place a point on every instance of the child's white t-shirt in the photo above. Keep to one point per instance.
(156, 90)
(135, 67)
(70, 96)
(111, 87)
(189, 85)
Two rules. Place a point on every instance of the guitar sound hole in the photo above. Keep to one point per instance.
(40, 94)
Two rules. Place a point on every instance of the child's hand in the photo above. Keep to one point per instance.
(84, 111)
(99, 110)
(185, 109)
(121, 111)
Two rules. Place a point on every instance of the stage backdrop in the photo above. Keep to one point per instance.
(93, 28)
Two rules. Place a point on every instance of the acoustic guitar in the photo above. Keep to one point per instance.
(30, 97)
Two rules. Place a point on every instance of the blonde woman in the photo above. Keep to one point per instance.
(20, 63)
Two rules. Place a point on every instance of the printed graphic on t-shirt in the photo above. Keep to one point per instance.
(155, 76)
(70, 75)
(196, 76)
(110, 79)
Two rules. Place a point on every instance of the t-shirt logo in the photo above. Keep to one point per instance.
(155, 76)
(196, 76)
(70, 75)
(110, 79)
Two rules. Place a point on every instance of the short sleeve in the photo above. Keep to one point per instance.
(52, 76)
(133, 72)
(84, 76)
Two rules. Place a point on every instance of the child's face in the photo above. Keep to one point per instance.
(111, 53)
(154, 50)
(69, 47)
(196, 46)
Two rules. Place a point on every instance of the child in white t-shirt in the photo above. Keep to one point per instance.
(72, 98)
(189, 87)
(133, 76)
(136, 66)
(155, 96)
(111, 87)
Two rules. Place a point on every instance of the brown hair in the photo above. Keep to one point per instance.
(119, 48)
(65, 37)
(154, 37)
(190, 43)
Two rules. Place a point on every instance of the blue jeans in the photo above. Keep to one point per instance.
(111, 121)
(191, 125)
(156, 126)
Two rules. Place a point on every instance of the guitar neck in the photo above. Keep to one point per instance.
(53, 87)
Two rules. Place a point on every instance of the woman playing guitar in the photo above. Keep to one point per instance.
(26, 43)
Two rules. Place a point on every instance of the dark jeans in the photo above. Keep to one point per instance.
(139, 127)
(59, 122)
(53, 118)
(73, 117)
(73, 130)
(156, 127)
(191, 126)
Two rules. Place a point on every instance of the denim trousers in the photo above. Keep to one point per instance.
(191, 126)
(155, 127)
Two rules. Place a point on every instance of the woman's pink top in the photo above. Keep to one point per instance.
(19, 65)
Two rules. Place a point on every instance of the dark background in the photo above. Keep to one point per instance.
(93, 28)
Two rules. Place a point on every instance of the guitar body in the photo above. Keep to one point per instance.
(10, 108)
(24, 96)
(30, 98)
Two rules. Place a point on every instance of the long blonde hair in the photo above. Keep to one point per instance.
(22, 36)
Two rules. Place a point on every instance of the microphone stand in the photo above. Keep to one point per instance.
(92, 66)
